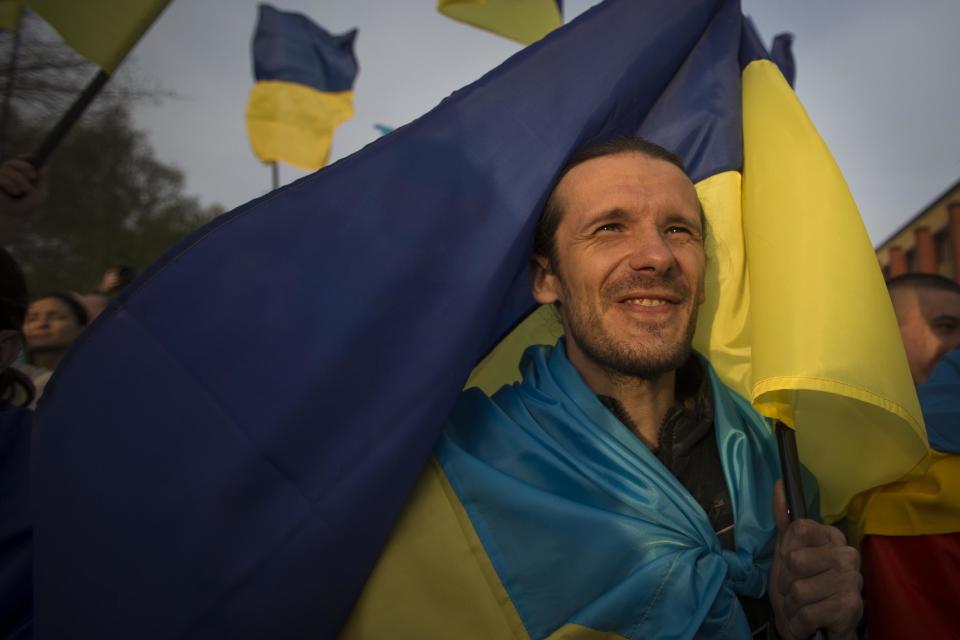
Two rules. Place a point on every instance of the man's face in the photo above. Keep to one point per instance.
(50, 325)
(629, 264)
(930, 326)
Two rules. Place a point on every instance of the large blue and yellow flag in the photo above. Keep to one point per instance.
(103, 31)
(225, 451)
(525, 21)
(303, 90)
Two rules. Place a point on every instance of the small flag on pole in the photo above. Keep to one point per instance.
(525, 21)
(303, 91)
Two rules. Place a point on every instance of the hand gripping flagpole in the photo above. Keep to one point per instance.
(792, 481)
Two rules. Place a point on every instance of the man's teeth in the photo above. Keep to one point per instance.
(646, 302)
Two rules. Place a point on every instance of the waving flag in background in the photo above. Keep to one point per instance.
(103, 31)
(295, 358)
(303, 90)
(525, 21)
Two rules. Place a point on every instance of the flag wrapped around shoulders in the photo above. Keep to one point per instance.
(103, 31)
(541, 473)
(303, 90)
(524, 21)
(232, 441)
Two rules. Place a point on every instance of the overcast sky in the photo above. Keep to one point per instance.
(878, 77)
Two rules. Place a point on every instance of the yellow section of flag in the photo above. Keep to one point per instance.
(826, 356)
(525, 21)
(921, 506)
(294, 123)
(10, 11)
(103, 31)
(502, 365)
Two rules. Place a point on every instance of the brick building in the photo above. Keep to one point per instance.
(929, 242)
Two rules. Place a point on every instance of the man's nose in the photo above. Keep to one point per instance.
(650, 251)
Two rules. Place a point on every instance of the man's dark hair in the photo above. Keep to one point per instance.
(544, 242)
(924, 281)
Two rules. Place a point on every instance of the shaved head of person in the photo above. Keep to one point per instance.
(928, 313)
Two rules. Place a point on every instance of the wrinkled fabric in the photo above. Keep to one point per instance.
(583, 523)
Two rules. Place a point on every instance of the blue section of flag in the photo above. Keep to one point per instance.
(292, 48)
(940, 401)
(230, 444)
(781, 52)
(697, 116)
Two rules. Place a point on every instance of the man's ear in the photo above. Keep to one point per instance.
(10, 347)
(543, 281)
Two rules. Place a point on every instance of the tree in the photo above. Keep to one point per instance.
(112, 202)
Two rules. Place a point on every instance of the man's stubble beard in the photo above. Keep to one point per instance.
(646, 360)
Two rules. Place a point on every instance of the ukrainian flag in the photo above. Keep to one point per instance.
(103, 31)
(303, 91)
(525, 21)
(296, 358)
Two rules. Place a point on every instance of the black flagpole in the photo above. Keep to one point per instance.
(792, 480)
(63, 126)
(8, 94)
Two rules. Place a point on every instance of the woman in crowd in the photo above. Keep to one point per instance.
(53, 322)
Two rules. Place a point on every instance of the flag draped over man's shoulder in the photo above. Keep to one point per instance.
(103, 31)
(232, 441)
(303, 90)
(525, 21)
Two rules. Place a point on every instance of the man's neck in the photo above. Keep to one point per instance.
(645, 402)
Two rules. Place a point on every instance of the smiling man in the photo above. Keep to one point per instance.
(620, 489)
(624, 265)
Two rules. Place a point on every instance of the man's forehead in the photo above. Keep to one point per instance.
(625, 175)
(936, 301)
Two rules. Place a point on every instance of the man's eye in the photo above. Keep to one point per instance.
(610, 226)
(946, 326)
(678, 229)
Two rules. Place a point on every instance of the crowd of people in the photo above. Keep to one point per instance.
(52, 320)
(36, 330)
